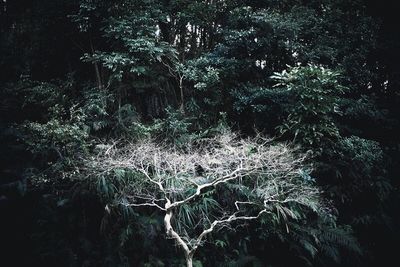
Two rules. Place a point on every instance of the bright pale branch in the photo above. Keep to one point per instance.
(265, 177)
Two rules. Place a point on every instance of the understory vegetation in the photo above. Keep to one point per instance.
(199, 133)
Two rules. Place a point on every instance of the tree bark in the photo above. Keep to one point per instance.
(171, 233)
(96, 68)
(189, 260)
(182, 107)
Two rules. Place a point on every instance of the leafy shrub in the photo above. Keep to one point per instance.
(315, 91)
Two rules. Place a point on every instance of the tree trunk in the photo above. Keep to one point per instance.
(96, 68)
(182, 107)
(171, 233)
(189, 260)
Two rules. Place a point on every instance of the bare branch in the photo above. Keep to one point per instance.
(146, 204)
(266, 176)
(229, 220)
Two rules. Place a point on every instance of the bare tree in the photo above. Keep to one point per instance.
(258, 179)
(176, 70)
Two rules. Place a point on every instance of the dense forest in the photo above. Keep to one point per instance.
(199, 133)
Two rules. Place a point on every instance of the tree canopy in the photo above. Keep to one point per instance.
(254, 133)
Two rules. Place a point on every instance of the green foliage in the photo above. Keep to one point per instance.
(96, 108)
(315, 91)
(358, 183)
(56, 135)
(203, 75)
(78, 74)
(358, 163)
(62, 128)
(362, 151)
(324, 241)
(134, 29)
